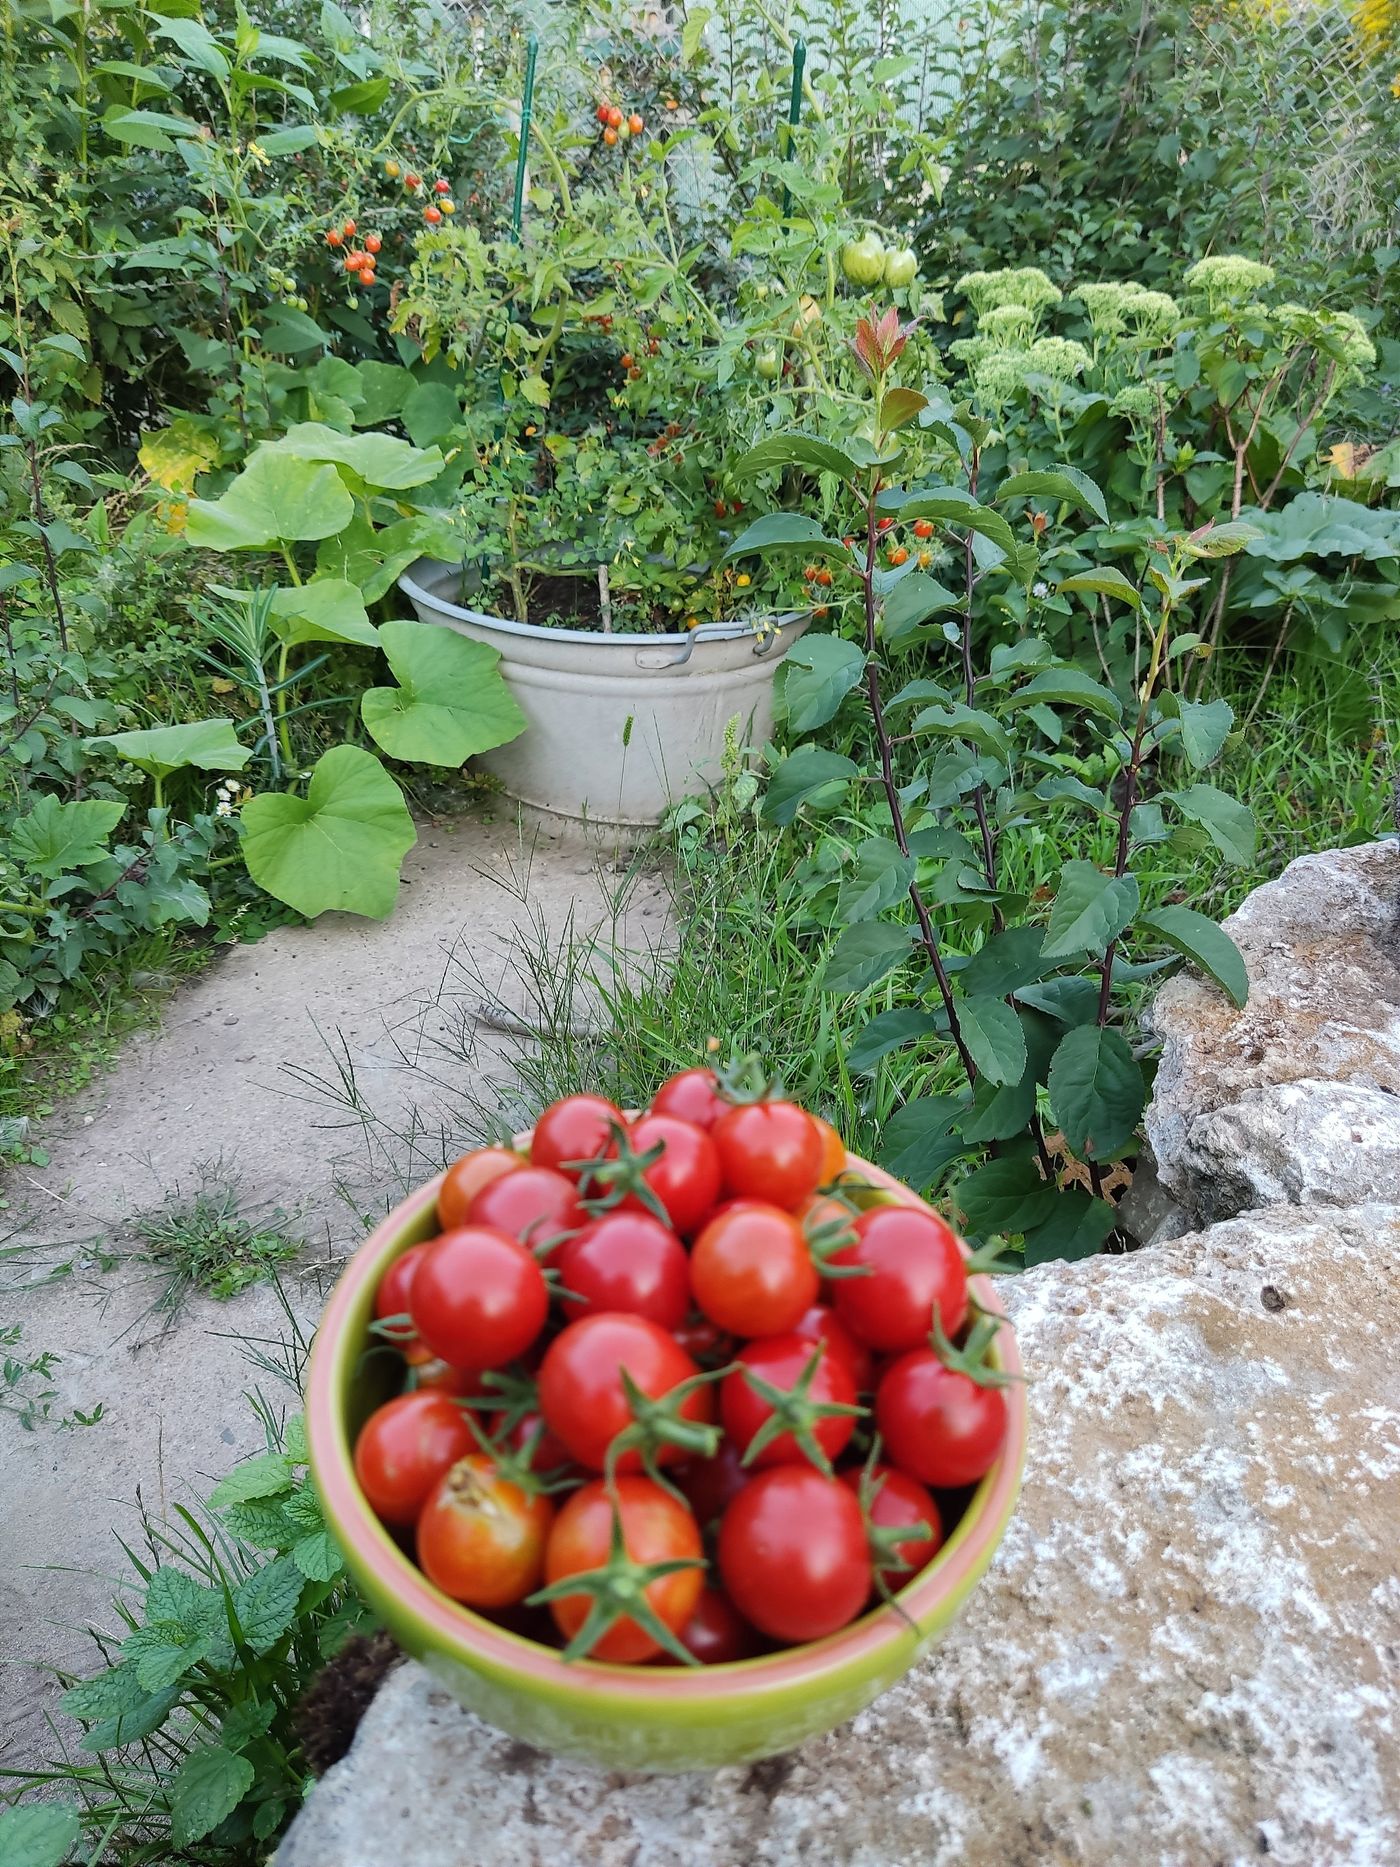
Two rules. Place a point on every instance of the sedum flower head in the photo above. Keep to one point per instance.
(1352, 339)
(1059, 357)
(1009, 324)
(1138, 401)
(1013, 285)
(1154, 314)
(999, 375)
(1227, 278)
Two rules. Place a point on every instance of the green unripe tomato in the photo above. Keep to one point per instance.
(769, 365)
(863, 260)
(901, 266)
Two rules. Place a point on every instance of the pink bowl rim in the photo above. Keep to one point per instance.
(949, 1577)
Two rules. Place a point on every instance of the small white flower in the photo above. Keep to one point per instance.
(223, 808)
(1040, 589)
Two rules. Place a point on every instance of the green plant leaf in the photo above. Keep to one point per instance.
(360, 100)
(912, 601)
(289, 332)
(385, 389)
(117, 1708)
(1204, 726)
(960, 721)
(787, 531)
(382, 461)
(162, 1652)
(371, 560)
(207, 1788)
(1000, 1112)
(1205, 944)
(262, 1477)
(815, 678)
(276, 497)
(1006, 1195)
(1089, 910)
(992, 1033)
(1076, 1228)
(804, 773)
(1066, 483)
(1067, 687)
(795, 450)
(288, 142)
(197, 43)
(865, 954)
(325, 610)
(1004, 963)
(56, 837)
(451, 701)
(266, 1602)
(921, 1138)
(38, 1834)
(1221, 541)
(878, 880)
(899, 407)
(340, 846)
(209, 745)
(1097, 1092)
(952, 506)
(1228, 824)
(318, 1556)
(146, 129)
(1106, 582)
(885, 1032)
(431, 411)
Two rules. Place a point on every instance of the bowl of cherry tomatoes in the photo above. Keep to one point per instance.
(666, 1440)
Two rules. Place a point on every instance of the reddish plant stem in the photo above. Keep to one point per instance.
(927, 933)
(979, 796)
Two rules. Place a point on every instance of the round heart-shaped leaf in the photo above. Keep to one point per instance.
(340, 846)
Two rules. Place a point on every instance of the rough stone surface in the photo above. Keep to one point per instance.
(232, 1073)
(1322, 944)
(1185, 1654)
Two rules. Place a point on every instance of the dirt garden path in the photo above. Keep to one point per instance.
(230, 1076)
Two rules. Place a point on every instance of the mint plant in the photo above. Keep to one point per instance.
(953, 769)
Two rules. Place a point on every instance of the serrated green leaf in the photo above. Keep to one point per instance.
(451, 702)
(952, 506)
(865, 954)
(804, 773)
(38, 1834)
(1006, 1195)
(266, 1603)
(262, 1477)
(207, 1788)
(960, 721)
(262, 1523)
(1205, 944)
(879, 879)
(1066, 483)
(817, 674)
(55, 837)
(885, 1032)
(1067, 687)
(899, 407)
(1221, 541)
(1097, 1092)
(162, 1652)
(318, 1556)
(341, 846)
(1076, 1228)
(992, 1033)
(1106, 582)
(1204, 726)
(921, 1138)
(1228, 824)
(912, 601)
(1004, 963)
(1089, 910)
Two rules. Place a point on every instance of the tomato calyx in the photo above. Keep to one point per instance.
(793, 1410)
(515, 1464)
(971, 1358)
(620, 1172)
(746, 1079)
(398, 1331)
(617, 1591)
(992, 1259)
(825, 1237)
(658, 1423)
(885, 1539)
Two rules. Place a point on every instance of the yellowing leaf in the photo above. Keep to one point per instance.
(174, 455)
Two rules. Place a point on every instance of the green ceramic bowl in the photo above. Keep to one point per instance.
(624, 1718)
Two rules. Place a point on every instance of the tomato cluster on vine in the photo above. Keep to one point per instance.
(680, 1386)
(617, 125)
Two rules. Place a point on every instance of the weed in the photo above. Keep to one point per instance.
(206, 1241)
(25, 1385)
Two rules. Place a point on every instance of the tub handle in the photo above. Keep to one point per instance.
(654, 658)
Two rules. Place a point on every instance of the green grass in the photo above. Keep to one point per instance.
(205, 1241)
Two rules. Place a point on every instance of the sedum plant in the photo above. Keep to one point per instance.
(919, 829)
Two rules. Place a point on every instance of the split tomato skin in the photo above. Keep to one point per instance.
(626, 1261)
(899, 1501)
(537, 1205)
(779, 1360)
(479, 1299)
(913, 1268)
(577, 1128)
(481, 1538)
(404, 1448)
(692, 1096)
(770, 1150)
(793, 1554)
(937, 1423)
(580, 1385)
(751, 1271)
(467, 1177)
(686, 1176)
(655, 1528)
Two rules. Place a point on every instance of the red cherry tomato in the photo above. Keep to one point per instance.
(466, 1177)
(581, 1393)
(779, 1360)
(793, 1554)
(822, 1324)
(481, 1539)
(655, 1528)
(442, 185)
(693, 1096)
(404, 1448)
(432, 215)
(915, 1265)
(601, 113)
(534, 1204)
(703, 1340)
(577, 1128)
(412, 181)
(373, 242)
(769, 1150)
(347, 231)
(711, 1485)
(626, 1261)
(334, 237)
(716, 1632)
(751, 1271)
(635, 123)
(686, 1176)
(479, 1299)
(391, 1298)
(901, 1500)
(534, 1442)
(460, 1383)
(614, 116)
(833, 1152)
(937, 1423)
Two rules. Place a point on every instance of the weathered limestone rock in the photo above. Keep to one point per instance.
(1247, 1108)
(1186, 1653)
